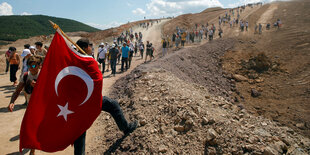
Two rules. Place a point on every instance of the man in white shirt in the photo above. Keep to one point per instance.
(101, 56)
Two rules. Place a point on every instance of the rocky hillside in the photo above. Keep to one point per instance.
(179, 115)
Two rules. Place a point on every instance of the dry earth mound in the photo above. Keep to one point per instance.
(281, 91)
(178, 114)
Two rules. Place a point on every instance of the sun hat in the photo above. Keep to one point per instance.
(26, 52)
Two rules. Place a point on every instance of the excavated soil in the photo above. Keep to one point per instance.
(179, 113)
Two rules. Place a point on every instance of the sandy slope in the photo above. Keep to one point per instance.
(10, 122)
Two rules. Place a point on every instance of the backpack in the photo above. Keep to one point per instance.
(28, 88)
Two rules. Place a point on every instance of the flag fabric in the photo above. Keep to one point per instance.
(65, 101)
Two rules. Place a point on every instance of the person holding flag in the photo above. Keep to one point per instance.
(108, 105)
(67, 99)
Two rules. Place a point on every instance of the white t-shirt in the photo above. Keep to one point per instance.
(30, 77)
(102, 52)
(25, 67)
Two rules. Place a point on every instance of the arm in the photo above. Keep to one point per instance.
(18, 89)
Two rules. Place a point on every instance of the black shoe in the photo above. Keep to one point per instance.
(25, 104)
(131, 127)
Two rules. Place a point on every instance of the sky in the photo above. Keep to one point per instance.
(105, 14)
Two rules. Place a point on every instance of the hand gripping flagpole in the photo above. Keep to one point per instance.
(55, 26)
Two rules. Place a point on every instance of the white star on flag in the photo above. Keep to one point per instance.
(64, 111)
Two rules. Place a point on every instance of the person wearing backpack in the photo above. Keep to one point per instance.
(27, 82)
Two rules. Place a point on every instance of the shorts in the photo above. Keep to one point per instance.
(148, 52)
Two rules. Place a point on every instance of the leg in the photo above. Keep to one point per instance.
(79, 145)
(112, 107)
(103, 67)
(126, 61)
(122, 68)
(7, 65)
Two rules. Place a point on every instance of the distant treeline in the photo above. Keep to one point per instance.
(20, 27)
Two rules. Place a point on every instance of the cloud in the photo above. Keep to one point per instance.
(138, 11)
(6, 9)
(105, 26)
(25, 13)
(176, 7)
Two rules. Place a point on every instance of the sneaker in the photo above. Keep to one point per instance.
(131, 127)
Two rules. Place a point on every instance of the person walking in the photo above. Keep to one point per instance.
(25, 56)
(131, 51)
(27, 83)
(7, 57)
(14, 61)
(125, 54)
(141, 48)
(148, 50)
(108, 105)
(114, 52)
(260, 28)
(164, 45)
(101, 56)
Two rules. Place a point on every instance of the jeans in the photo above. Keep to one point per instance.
(112, 107)
(103, 65)
(164, 51)
(113, 65)
(124, 60)
(141, 53)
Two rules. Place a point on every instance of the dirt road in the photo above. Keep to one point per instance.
(10, 122)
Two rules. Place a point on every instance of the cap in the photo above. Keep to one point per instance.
(113, 45)
(25, 52)
(102, 44)
(32, 47)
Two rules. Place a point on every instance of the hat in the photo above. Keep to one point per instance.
(113, 45)
(25, 52)
(32, 47)
(101, 44)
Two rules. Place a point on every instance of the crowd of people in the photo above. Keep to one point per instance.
(198, 32)
(127, 45)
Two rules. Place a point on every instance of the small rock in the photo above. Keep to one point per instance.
(211, 121)
(264, 123)
(239, 78)
(204, 121)
(179, 128)
(301, 126)
(155, 99)
(280, 147)
(255, 93)
(207, 97)
(142, 122)
(211, 137)
(259, 80)
(162, 149)
(145, 99)
(270, 151)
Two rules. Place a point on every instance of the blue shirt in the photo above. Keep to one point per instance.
(125, 51)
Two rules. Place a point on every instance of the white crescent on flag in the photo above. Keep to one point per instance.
(76, 71)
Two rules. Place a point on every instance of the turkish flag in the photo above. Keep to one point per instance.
(65, 101)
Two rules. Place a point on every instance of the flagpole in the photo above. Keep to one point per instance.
(55, 26)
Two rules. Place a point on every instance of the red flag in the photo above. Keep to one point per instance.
(65, 101)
